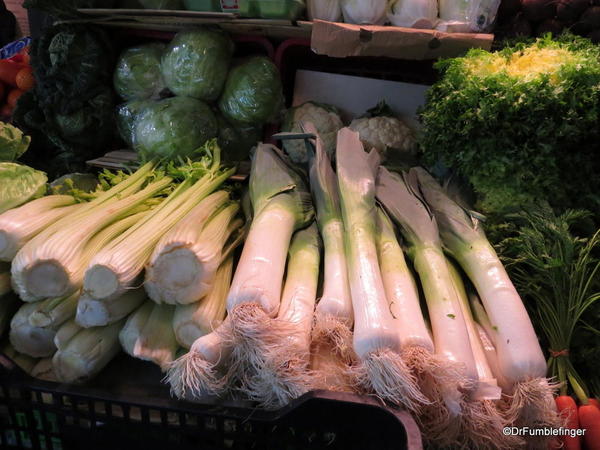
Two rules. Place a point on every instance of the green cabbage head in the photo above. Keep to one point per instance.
(173, 128)
(196, 62)
(19, 184)
(253, 94)
(138, 74)
(126, 115)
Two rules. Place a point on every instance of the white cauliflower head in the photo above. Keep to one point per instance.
(326, 120)
(386, 134)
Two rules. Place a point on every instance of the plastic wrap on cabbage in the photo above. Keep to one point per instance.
(324, 10)
(236, 142)
(126, 115)
(325, 118)
(413, 13)
(162, 4)
(138, 74)
(174, 127)
(196, 62)
(253, 94)
(458, 16)
(19, 184)
(364, 12)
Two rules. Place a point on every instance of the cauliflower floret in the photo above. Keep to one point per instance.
(386, 134)
(324, 117)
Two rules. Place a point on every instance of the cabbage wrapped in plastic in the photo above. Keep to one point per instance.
(413, 13)
(364, 12)
(138, 74)
(174, 127)
(253, 93)
(126, 115)
(324, 10)
(236, 142)
(196, 62)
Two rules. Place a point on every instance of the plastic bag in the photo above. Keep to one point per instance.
(324, 10)
(413, 13)
(138, 74)
(126, 115)
(364, 12)
(459, 16)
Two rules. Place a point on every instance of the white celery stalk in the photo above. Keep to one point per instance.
(51, 266)
(334, 315)
(5, 286)
(9, 304)
(518, 348)
(65, 333)
(95, 313)
(191, 322)
(24, 362)
(21, 224)
(156, 341)
(283, 351)
(34, 326)
(200, 371)
(400, 288)
(376, 340)
(117, 267)
(183, 267)
(44, 370)
(128, 336)
(87, 353)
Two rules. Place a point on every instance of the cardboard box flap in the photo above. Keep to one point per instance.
(342, 40)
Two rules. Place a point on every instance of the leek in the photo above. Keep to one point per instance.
(451, 339)
(65, 333)
(282, 353)
(183, 267)
(87, 353)
(281, 205)
(24, 362)
(190, 322)
(20, 225)
(376, 340)
(133, 327)
(53, 265)
(96, 313)
(117, 266)
(44, 370)
(519, 353)
(334, 315)
(34, 326)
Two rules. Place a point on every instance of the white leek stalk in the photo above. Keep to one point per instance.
(450, 336)
(334, 315)
(483, 422)
(116, 267)
(20, 225)
(96, 313)
(519, 353)
(200, 371)
(9, 304)
(184, 264)
(65, 333)
(148, 334)
(44, 370)
(34, 326)
(282, 353)
(329, 10)
(87, 353)
(52, 266)
(376, 340)
(5, 286)
(198, 319)
(281, 205)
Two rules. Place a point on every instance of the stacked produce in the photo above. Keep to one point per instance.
(214, 96)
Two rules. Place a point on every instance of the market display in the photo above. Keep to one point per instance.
(449, 269)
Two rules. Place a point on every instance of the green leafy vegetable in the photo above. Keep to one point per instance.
(13, 143)
(556, 271)
(19, 184)
(174, 127)
(138, 74)
(126, 115)
(196, 62)
(253, 93)
(236, 142)
(520, 124)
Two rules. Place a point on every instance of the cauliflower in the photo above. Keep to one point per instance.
(385, 133)
(324, 117)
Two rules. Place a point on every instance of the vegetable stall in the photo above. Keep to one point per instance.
(222, 227)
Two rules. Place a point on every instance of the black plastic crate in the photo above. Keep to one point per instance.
(127, 407)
